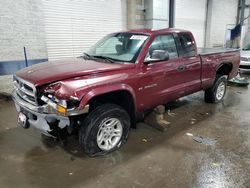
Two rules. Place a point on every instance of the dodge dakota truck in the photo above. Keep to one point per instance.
(100, 94)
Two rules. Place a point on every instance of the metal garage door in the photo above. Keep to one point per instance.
(191, 15)
(72, 26)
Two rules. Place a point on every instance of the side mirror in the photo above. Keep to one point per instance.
(157, 55)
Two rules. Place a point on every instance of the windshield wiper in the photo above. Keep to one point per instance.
(86, 54)
(104, 57)
(98, 57)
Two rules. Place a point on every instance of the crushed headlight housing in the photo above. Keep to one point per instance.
(59, 106)
(61, 110)
(63, 107)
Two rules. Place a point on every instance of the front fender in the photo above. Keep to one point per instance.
(104, 90)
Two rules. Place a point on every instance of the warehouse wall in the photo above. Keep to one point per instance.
(147, 14)
(21, 25)
(221, 16)
(156, 14)
(246, 26)
(247, 36)
(191, 15)
(135, 14)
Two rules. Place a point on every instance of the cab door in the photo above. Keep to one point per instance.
(190, 62)
(160, 80)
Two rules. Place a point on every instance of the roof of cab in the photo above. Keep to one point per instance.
(159, 31)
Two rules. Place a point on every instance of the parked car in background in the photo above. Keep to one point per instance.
(100, 94)
(245, 58)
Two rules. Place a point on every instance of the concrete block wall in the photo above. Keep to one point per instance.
(21, 24)
(135, 14)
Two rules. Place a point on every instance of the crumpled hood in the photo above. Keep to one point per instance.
(45, 73)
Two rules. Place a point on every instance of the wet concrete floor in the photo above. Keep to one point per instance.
(149, 159)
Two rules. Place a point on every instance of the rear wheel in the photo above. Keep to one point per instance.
(104, 130)
(216, 93)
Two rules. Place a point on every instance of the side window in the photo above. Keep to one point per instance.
(166, 43)
(187, 45)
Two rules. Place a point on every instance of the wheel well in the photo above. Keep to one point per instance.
(225, 69)
(122, 98)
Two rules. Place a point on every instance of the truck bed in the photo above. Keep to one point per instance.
(213, 58)
(207, 51)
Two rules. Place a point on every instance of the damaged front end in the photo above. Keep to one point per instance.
(44, 110)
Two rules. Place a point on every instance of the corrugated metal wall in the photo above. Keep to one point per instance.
(72, 26)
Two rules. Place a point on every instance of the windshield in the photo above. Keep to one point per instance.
(247, 47)
(124, 47)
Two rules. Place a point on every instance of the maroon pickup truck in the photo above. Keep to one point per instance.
(100, 94)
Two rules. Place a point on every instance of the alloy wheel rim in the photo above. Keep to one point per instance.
(220, 91)
(109, 133)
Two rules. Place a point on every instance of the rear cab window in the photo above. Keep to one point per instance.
(187, 45)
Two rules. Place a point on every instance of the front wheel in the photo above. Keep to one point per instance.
(104, 130)
(216, 93)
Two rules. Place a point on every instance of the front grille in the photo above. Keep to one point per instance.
(245, 66)
(245, 59)
(25, 90)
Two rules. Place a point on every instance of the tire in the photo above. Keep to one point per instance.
(104, 130)
(216, 93)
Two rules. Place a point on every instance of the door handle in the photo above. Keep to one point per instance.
(181, 68)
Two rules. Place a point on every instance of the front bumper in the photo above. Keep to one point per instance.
(245, 65)
(38, 118)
